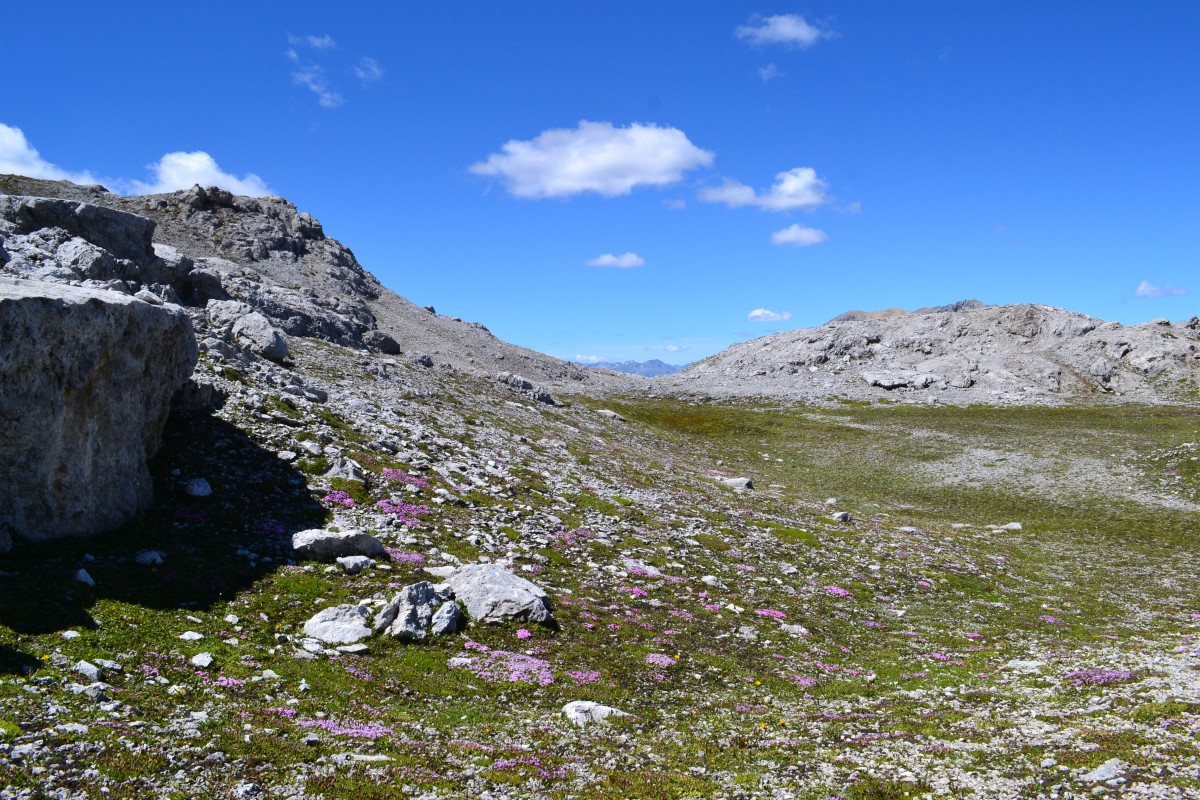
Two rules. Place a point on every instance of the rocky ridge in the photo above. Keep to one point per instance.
(1022, 354)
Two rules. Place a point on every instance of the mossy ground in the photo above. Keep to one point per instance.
(898, 684)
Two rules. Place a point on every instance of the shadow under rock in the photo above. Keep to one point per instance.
(212, 547)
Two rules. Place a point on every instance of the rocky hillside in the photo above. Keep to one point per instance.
(964, 353)
(278, 260)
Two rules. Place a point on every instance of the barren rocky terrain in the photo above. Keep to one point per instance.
(388, 555)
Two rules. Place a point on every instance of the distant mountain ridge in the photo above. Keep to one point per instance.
(647, 369)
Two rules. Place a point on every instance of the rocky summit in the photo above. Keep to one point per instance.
(275, 532)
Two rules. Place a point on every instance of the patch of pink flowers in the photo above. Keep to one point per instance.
(836, 591)
(400, 476)
(340, 498)
(770, 612)
(659, 660)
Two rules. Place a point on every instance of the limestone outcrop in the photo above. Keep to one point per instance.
(86, 380)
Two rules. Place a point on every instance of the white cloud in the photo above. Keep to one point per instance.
(1148, 289)
(368, 70)
(183, 170)
(766, 315)
(795, 188)
(785, 29)
(171, 172)
(19, 157)
(593, 157)
(623, 261)
(768, 72)
(798, 236)
(589, 359)
(677, 348)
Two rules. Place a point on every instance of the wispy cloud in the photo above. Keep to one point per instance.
(768, 72)
(19, 157)
(623, 261)
(582, 359)
(795, 188)
(798, 236)
(311, 56)
(593, 157)
(783, 29)
(766, 315)
(1148, 289)
(368, 70)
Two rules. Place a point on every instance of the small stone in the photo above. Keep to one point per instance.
(1105, 772)
(191, 636)
(198, 487)
(68, 635)
(149, 558)
(246, 791)
(232, 619)
(111, 666)
(89, 671)
(583, 712)
(737, 484)
(352, 565)
(604, 412)
(342, 624)
(286, 456)
(842, 516)
(358, 649)
(202, 660)
(82, 576)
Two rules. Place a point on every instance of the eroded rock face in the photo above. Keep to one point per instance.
(86, 380)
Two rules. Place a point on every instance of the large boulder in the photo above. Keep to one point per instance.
(86, 380)
(322, 545)
(492, 595)
(123, 235)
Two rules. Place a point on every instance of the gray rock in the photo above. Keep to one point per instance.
(86, 380)
(198, 487)
(585, 712)
(149, 558)
(352, 565)
(256, 331)
(447, 619)
(322, 545)
(737, 484)
(410, 612)
(492, 595)
(1110, 769)
(247, 791)
(124, 235)
(378, 340)
(344, 624)
(526, 387)
(82, 576)
(605, 412)
(841, 516)
(90, 671)
(202, 660)
(421, 359)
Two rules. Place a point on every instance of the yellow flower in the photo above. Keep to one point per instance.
(758, 683)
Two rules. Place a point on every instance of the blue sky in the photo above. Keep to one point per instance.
(658, 180)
